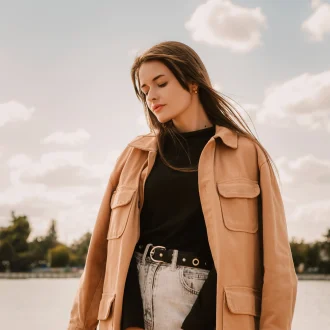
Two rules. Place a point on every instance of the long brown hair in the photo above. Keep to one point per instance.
(187, 67)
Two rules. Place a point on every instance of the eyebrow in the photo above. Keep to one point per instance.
(160, 75)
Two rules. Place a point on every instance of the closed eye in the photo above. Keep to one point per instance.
(162, 85)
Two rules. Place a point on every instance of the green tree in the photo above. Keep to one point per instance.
(14, 246)
(299, 251)
(325, 254)
(313, 255)
(17, 233)
(41, 244)
(79, 250)
(59, 256)
(326, 242)
(51, 237)
(7, 254)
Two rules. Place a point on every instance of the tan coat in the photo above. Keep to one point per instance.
(246, 228)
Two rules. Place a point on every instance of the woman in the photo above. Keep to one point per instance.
(191, 232)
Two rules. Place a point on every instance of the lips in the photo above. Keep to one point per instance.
(158, 108)
(154, 107)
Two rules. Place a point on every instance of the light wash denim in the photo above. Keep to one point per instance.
(168, 290)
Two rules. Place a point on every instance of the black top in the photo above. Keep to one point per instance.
(172, 216)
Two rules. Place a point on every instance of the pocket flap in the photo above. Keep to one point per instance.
(121, 197)
(105, 305)
(243, 300)
(246, 189)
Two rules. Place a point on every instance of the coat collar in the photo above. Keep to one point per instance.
(149, 141)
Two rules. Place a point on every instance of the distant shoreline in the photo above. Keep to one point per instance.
(26, 275)
(7, 276)
(312, 277)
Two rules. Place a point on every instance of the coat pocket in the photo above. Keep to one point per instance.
(105, 305)
(239, 204)
(241, 308)
(120, 204)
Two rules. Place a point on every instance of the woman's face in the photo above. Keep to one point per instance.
(164, 90)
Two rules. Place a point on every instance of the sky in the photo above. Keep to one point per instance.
(68, 107)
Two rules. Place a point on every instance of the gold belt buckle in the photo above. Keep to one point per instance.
(152, 252)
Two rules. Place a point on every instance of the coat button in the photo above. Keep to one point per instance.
(139, 204)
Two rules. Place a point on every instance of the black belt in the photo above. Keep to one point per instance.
(189, 259)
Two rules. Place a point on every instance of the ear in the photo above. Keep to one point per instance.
(192, 87)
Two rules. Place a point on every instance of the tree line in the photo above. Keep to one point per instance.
(312, 257)
(17, 254)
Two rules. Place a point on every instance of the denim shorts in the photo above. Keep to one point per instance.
(168, 290)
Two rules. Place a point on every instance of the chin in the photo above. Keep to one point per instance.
(164, 120)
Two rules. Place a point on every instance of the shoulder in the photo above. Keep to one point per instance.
(140, 136)
(145, 142)
(249, 147)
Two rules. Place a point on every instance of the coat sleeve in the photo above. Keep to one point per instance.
(280, 279)
(84, 312)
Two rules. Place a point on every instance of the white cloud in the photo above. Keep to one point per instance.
(247, 110)
(74, 138)
(30, 193)
(222, 23)
(14, 111)
(304, 99)
(58, 169)
(306, 170)
(305, 191)
(304, 180)
(59, 177)
(310, 221)
(318, 211)
(318, 24)
(74, 216)
(59, 185)
(315, 3)
(76, 220)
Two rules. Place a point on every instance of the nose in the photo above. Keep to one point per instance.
(151, 95)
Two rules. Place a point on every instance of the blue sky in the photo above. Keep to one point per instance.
(68, 108)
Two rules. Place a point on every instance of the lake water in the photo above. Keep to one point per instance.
(44, 304)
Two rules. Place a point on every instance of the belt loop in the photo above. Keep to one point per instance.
(174, 260)
(145, 253)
